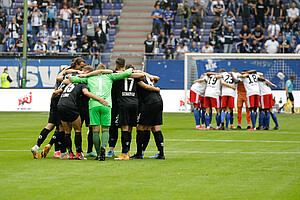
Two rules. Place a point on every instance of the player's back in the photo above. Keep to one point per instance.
(146, 96)
(264, 88)
(199, 88)
(126, 91)
(213, 86)
(70, 94)
(251, 84)
(227, 91)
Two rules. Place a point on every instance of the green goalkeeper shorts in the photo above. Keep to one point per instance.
(100, 115)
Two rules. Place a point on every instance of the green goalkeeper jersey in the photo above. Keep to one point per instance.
(100, 85)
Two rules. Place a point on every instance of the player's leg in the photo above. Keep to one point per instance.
(113, 131)
(239, 111)
(291, 96)
(105, 119)
(85, 117)
(228, 116)
(78, 138)
(68, 141)
(223, 113)
(261, 119)
(197, 115)
(207, 106)
(95, 123)
(139, 143)
(53, 140)
(216, 104)
(274, 118)
(253, 101)
(248, 118)
(159, 141)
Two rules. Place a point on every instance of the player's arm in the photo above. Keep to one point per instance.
(261, 79)
(151, 77)
(199, 80)
(56, 92)
(253, 71)
(270, 83)
(260, 73)
(118, 76)
(233, 77)
(218, 76)
(60, 76)
(227, 85)
(76, 79)
(87, 93)
(70, 71)
(136, 75)
(243, 75)
(148, 87)
(99, 71)
(211, 73)
(67, 81)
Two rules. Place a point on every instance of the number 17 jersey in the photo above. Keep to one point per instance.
(126, 91)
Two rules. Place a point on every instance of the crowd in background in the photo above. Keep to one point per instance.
(48, 24)
(268, 26)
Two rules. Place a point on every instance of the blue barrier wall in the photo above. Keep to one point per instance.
(172, 72)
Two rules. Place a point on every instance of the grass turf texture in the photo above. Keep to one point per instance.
(199, 164)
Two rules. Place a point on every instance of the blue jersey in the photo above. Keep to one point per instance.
(156, 13)
(288, 35)
(51, 12)
(168, 15)
(9, 44)
(290, 86)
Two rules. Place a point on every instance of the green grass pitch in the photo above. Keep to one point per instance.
(199, 164)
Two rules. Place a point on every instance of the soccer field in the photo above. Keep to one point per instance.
(199, 164)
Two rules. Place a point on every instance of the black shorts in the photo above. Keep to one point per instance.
(151, 114)
(68, 114)
(291, 97)
(84, 115)
(128, 114)
(54, 114)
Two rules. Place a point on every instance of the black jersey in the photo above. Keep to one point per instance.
(126, 91)
(146, 96)
(71, 94)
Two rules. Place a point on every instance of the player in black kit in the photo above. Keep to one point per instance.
(150, 118)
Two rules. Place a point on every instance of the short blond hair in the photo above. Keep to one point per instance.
(88, 68)
(101, 66)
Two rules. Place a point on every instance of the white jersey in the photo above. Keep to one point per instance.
(251, 84)
(213, 86)
(227, 91)
(199, 88)
(264, 88)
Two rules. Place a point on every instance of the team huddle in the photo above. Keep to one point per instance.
(218, 90)
(111, 99)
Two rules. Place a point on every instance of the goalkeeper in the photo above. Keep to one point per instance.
(101, 85)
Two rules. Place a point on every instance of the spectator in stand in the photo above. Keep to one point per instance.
(1, 37)
(168, 18)
(65, 3)
(39, 48)
(72, 45)
(9, 43)
(42, 5)
(3, 19)
(99, 3)
(218, 8)
(297, 50)
(194, 48)
(149, 45)
(156, 16)
(76, 15)
(229, 36)
(185, 13)
(276, 11)
(169, 52)
(85, 45)
(285, 45)
(229, 19)
(245, 33)
(258, 34)
(174, 7)
(217, 26)
(289, 34)
(195, 34)
(95, 50)
(19, 44)
(65, 15)
(261, 10)
(57, 37)
(213, 40)
(271, 45)
(233, 6)
(77, 31)
(198, 13)
(52, 15)
(29, 34)
(14, 29)
(53, 49)
(207, 48)
(90, 30)
(162, 40)
(36, 21)
(83, 7)
(6, 5)
(31, 5)
(101, 39)
(244, 12)
(185, 35)
(181, 50)
(221, 42)
(104, 26)
(43, 35)
(293, 14)
(255, 47)
(113, 19)
(19, 16)
(273, 29)
(243, 47)
(172, 41)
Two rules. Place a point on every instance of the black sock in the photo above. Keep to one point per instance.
(113, 136)
(68, 142)
(139, 142)
(159, 141)
(125, 140)
(293, 111)
(78, 142)
(146, 139)
(129, 140)
(90, 140)
(43, 135)
(54, 138)
(62, 140)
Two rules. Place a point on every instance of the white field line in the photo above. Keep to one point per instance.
(183, 152)
(191, 140)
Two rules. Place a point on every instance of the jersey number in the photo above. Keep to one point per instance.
(70, 87)
(128, 82)
(252, 78)
(228, 79)
(212, 80)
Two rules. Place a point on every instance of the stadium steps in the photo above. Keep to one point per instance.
(135, 24)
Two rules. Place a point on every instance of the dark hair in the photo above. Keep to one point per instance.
(222, 70)
(120, 62)
(88, 68)
(234, 70)
(206, 43)
(292, 77)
